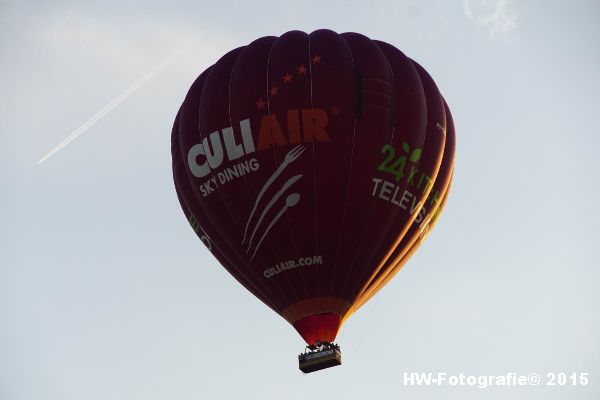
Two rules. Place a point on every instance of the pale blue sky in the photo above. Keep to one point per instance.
(105, 292)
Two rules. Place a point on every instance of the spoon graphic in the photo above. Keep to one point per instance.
(290, 157)
(290, 201)
(279, 193)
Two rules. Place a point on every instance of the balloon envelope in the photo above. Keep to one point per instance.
(312, 166)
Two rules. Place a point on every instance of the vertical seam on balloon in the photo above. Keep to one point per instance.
(358, 90)
(265, 292)
(248, 284)
(451, 155)
(393, 95)
(273, 248)
(287, 278)
(217, 189)
(316, 251)
(383, 262)
(233, 67)
(301, 271)
(337, 251)
(417, 242)
(373, 199)
(293, 237)
(393, 107)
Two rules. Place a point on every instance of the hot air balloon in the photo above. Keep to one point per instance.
(312, 166)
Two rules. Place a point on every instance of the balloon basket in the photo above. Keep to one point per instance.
(319, 356)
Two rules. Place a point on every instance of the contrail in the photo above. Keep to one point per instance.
(118, 100)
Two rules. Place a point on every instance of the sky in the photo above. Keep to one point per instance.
(105, 292)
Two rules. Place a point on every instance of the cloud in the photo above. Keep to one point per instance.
(495, 15)
(116, 44)
(116, 101)
(117, 49)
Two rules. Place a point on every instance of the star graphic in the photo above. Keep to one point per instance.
(301, 69)
(316, 59)
(273, 91)
(260, 104)
(287, 78)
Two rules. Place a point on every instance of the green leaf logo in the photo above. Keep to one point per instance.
(416, 154)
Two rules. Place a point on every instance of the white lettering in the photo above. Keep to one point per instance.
(198, 170)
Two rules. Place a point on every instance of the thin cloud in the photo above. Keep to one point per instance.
(495, 15)
(74, 37)
(115, 102)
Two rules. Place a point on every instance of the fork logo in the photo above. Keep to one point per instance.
(290, 201)
(210, 153)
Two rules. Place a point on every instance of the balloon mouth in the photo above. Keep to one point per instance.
(319, 327)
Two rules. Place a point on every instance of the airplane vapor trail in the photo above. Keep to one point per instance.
(118, 100)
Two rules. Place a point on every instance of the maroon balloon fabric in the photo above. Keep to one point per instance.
(302, 161)
(423, 222)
